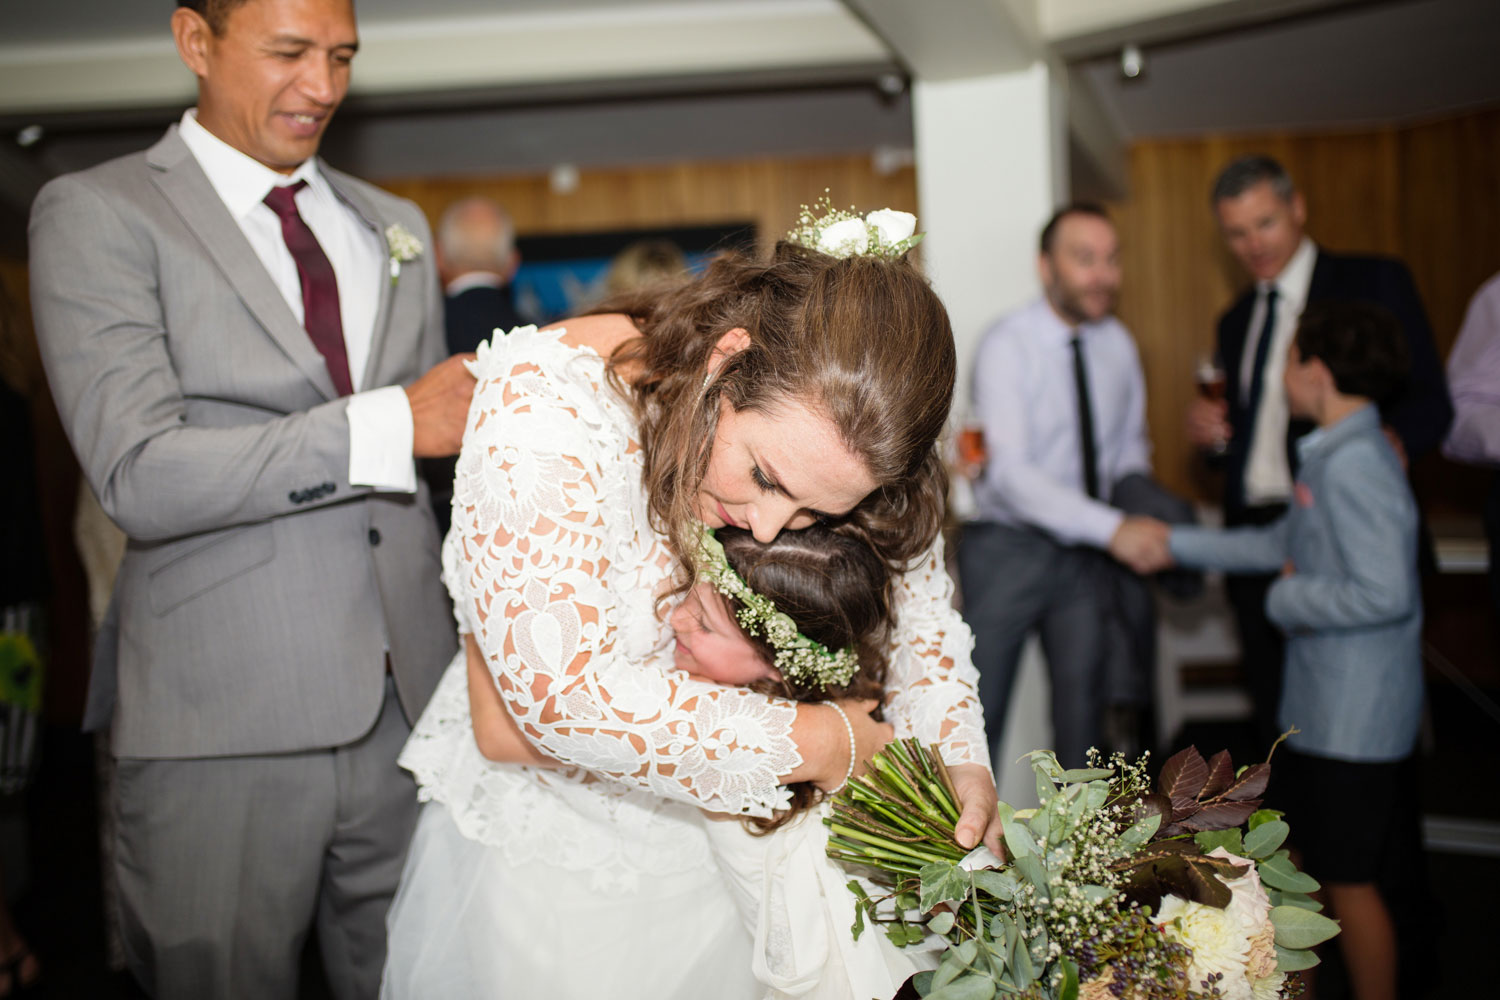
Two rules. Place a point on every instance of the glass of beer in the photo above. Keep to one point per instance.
(970, 446)
(1213, 385)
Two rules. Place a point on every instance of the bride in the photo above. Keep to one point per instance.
(765, 396)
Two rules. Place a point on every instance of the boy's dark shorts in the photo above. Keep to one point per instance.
(1349, 819)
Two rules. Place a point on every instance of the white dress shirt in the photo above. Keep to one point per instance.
(1026, 399)
(380, 420)
(1268, 475)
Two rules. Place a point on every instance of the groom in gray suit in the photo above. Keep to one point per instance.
(245, 346)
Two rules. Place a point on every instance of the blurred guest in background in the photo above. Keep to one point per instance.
(1060, 397)
(1474, 375)
(476, 259)
(1261, 216)
(643, 262)
(245, 348)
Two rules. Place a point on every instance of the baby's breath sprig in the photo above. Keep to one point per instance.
(801, 660)
(844, 233)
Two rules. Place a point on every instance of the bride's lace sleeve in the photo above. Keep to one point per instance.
(932, 681)
(547, 534)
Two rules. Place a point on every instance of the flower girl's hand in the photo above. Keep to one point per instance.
(978, 819)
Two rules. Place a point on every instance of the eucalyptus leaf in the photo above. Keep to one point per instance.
(1020, 961)
(948, 970)
(1045, 789)
(1082, 774)
(970, 987)
(1018, 841)
(1001, 885)
(1297, 928)
(1266, 838)
(1069, 988)
(1098, 791)
(1030, 866)
(1294, 959)
(1281, 874)
(922, 982)
(968, 951)
(1140, 832)
(941, 923)
(1299, 899)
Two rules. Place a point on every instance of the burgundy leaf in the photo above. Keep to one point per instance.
(1204, 888)
(1251, 784)
(1221, 815)
(1182, 778)
(1220, 774)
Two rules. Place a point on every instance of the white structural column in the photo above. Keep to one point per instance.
(991, 164)
(991, 157)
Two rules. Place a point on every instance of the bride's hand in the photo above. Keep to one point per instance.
(978, 818)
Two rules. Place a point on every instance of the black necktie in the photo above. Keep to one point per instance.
(320, 288)
(1086, 444)
(1258, 373)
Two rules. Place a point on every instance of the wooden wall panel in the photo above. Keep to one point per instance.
(1428, 193)
(767, 192)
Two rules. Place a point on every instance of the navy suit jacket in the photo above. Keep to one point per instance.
(475, 313)
(1420, 411)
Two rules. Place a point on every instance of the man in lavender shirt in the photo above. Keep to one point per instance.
(1059, 394)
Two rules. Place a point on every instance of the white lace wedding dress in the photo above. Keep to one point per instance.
(599, 881)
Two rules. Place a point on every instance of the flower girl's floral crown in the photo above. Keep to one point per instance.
(800, 659)
(841, 233)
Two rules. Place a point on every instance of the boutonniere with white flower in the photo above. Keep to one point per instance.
(403, 246)
(843, 233)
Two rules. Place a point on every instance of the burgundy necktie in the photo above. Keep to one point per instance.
(320, 289)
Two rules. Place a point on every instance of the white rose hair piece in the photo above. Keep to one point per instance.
(843, 233)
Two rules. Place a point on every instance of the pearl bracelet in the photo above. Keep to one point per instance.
(848, 728)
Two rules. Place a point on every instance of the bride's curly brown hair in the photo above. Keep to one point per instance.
(862, 340)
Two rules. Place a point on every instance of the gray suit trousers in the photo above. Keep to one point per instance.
(224, 863)
(1016, 580)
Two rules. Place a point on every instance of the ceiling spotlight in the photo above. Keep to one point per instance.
(890, 84)
(1131, 61)
(29, 136)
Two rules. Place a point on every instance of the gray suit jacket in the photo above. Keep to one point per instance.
(259, 590)
(1352, 612)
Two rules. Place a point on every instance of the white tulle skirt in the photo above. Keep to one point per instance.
(467, 924)
(797, 906)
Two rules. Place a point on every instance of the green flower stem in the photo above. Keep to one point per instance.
(911, 795)
(897, 818)
(865, 823)
(883, 844)
(948, 807)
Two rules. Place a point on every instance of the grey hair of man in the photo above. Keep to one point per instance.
(1243, 173)
(476, 234)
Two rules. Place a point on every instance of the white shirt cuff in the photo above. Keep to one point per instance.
(380, 440)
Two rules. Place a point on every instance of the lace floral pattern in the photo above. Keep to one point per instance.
(554, 570)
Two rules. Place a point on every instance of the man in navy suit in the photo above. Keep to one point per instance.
(476, 259)
(1261, 215)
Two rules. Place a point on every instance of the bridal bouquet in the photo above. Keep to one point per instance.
(1113, 888)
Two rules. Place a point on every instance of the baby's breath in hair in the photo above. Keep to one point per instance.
(800, 659)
